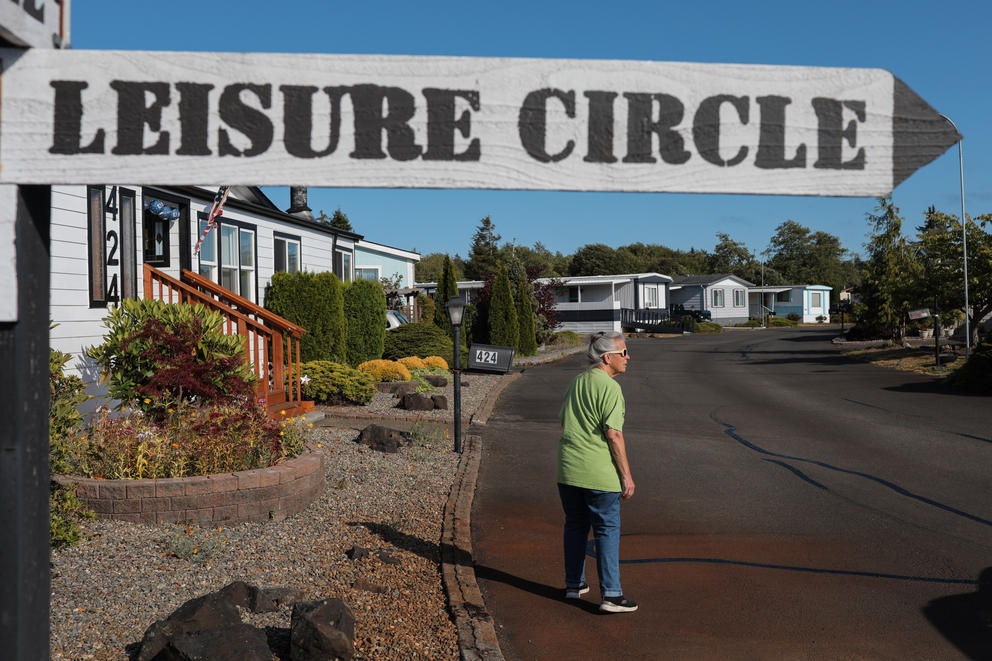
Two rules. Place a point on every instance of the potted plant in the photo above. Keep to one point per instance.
(926, 329)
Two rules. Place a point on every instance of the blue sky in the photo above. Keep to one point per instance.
(940, 49)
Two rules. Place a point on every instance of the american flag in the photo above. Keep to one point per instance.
(215, 212)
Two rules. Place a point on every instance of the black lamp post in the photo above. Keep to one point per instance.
(456, 308)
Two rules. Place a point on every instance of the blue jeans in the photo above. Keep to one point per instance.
(599, 510)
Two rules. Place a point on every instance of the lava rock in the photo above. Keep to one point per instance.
(418, 401)
(322, 629)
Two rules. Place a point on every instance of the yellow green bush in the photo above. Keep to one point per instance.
(385, 370)
(436, 361)
(413, 362)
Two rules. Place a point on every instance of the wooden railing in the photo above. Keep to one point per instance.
(272, 344)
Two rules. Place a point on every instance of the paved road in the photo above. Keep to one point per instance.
(789, 505)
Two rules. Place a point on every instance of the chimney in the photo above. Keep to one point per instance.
(298, 203)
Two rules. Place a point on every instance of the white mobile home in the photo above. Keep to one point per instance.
(725, 296)
(108, 239)
(809, 303)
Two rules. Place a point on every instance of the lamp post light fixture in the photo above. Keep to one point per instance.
(964, 238)
(456, 310)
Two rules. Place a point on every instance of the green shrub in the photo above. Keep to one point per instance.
(779, 322)
(155, 352)
(334, 383)
(564, 338)
(365, 310)
(526, 336)
(708, 327)
(426, 306)
(792, 316)
(66, 393)
(503, 329)
(65, 512)
(446, 288)
(688, 324)
(421, 339)
(314, 301)
(750, 323)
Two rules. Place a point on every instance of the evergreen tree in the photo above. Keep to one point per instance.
(446, 288)
(338, 220)
(483, 255)
(526, 336)
(886, 289)
(503, 329)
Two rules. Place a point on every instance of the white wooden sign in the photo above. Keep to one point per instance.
(35, 23)
(447, 122)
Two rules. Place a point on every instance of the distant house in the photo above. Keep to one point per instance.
(725, 296)
(808, 302)
(376, 260)
(587, 304)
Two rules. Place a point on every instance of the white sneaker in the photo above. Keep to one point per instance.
(617, 605)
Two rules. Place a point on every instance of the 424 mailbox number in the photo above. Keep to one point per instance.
(486, 357)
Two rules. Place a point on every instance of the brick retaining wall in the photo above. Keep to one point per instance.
(254, 495)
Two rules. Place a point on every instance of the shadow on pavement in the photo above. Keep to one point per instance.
(540, 589)
(965, 620)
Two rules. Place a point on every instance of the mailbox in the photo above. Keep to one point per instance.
(489, 358)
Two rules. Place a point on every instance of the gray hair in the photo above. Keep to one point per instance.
(602, 342)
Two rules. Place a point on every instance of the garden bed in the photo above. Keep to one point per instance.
(252, 495)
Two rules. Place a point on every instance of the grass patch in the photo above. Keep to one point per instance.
(917, 359)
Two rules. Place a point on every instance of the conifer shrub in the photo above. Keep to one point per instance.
(385, 370)
(446, 288)
(314, 301)
(413, 363)
(365, 310)
(419, 339)
(334, 383)
(503, 329)
(436, 361)
(526, 336)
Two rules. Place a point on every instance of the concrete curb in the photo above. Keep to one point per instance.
(476, 633)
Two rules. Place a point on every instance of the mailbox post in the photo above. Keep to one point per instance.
(456, 309)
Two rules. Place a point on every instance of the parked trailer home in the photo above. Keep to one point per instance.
(725, 296)
(811, 303)
(113, 242)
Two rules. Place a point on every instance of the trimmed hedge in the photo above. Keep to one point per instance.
(436, 361)
(365, 310)
(334, 383)
(413, 363)
(314, 301)
(420, 339)
(385, 370)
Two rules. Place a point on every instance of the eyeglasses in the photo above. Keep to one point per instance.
(623, 353)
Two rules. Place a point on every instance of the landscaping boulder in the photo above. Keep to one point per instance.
(269, 600)
(357, 552)
(210, 612)
(440, 401)
(240, 642)
(322, 629)
(418, 401)
(384, 439)
(404, 388)
(436, 380)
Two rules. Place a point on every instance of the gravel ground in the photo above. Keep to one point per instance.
(122, 577)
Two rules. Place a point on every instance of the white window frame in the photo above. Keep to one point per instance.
(377, 269)
(286, 240)
(819, 299)
(742, 295)
(651, 296)
(719, 295)
(216, 263)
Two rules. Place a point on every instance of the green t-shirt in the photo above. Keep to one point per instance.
(593, 403)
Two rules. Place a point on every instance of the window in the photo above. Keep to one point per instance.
(287, 253)
(650, 296)
(343, 262)
(718, 298)
(815, 299)
(97, 246)
(573, 294)
(784, 296)
(227, 256)
(739, 298)
(367, 273)
(155, 231)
